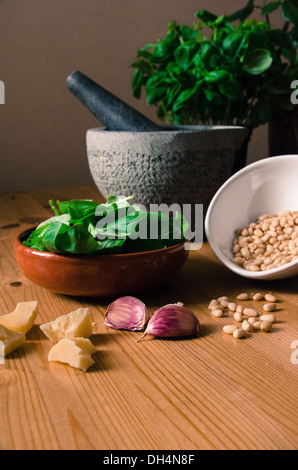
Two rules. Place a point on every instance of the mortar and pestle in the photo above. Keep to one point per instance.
(131, 155)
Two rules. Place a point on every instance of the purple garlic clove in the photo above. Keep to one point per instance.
(172, 320)
(127, 313)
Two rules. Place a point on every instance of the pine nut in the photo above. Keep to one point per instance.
(257, 296)
(243, 296)
(239, 260)
(268, 317)
(270, 298)
(250, 312)
(217, 313)
(259, 251)
(246, 326)
(292, 245)
(236, 248)
(254, 267)
(265, 326)
(257, 325)
(216, 307)
(271, 237)
(239, 333)
(238, 316)
(252, 320)
(229, 329)
(232, 306)
(239, 309)
(213, 302)
(258, 233)
(220, 299)
(245, 253)
(269, 307)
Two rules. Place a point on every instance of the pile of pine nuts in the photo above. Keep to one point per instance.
(269, 242)
(248, 318)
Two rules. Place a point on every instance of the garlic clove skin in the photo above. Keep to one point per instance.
(172, 320)
(127, 313)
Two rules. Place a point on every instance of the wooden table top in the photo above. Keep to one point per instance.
(209, 392)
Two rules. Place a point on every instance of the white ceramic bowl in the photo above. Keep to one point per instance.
(264, 187)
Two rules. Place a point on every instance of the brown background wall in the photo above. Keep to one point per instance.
(42, 126)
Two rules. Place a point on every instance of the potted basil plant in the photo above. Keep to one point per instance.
(228, 69)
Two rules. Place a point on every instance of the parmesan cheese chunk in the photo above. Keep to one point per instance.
(10, 340)
(71, 325)
(76, 352)
(22, 318)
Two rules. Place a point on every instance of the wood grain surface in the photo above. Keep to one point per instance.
(209, 392)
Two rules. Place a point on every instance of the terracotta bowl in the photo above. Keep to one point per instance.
(98, 275)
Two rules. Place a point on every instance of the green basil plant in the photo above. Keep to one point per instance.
(231, 70)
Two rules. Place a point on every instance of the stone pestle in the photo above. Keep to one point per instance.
(112, 112)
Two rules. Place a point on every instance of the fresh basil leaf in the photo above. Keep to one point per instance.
(290, 12)
(213, 97)
(209, 56)
(218, 76)
(35, 238)
(270, 7)
(172, 94)
(234, 42)
(205, 16)
(75, 239)
(231, 89)
(142, 66)
(111, 247)
(163, 49)
(49, 236)
(257, 61)
(156, 88)
(188, 33)
(183, 97)
(280, 37)
(77, 208)
(243, 13)
(184, 54)
(64, 218)
(279, 85)
(154, 95)
(137, 82)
